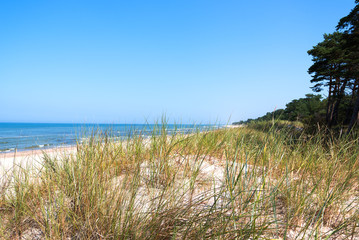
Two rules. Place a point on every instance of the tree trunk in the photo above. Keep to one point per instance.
(335, 111)
(329, 104)
(351, 106)
(355, 115)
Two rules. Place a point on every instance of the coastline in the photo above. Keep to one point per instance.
(234, 126)
(31, 137)
(32, 159)
(26, 153)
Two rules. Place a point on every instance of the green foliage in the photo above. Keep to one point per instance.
(336, 67)
(328, 57)
(309, 110)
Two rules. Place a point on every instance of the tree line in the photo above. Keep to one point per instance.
(308, 110)
(335, 69)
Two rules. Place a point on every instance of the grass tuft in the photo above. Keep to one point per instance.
(240, 183)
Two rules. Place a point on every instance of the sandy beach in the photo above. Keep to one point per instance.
(234, 126)
(30, 159)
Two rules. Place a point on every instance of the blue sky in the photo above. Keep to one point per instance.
(131, 61)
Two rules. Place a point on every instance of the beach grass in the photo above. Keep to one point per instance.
(238, 183)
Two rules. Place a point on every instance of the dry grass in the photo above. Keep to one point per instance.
(225, 184)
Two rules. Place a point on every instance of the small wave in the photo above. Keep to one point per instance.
(7, 150)
(36, 136)
(32, 147)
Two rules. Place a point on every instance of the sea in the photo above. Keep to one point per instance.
(32, 136)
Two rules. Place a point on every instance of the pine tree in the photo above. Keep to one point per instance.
(349, 25)
(329, 70)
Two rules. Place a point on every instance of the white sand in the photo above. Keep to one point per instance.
(29, 159)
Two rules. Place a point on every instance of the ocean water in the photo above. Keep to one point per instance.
(28, 136)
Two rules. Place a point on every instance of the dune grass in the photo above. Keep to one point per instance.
(240, 183)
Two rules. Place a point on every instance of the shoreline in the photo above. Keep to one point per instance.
(11, 151)
(24, 153)
(34, 157)
(39, 151)
(30, 160)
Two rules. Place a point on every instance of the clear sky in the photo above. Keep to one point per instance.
(130, 61)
